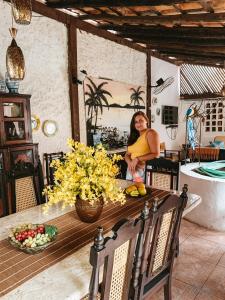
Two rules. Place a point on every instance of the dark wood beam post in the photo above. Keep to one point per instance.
(149, 96)
(73, 86)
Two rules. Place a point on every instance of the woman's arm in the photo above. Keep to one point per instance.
(129, 162)
(154, 145)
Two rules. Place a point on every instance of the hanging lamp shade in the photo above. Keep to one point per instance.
(15, 63)
(22, 11)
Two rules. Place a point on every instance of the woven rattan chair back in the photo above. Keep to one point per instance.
(48, 158)
(161, 232)
(162, 173)
(25, 193)
(27, 186)
(116, 255)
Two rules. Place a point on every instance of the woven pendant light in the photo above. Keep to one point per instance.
(15, 63)
(22, 11)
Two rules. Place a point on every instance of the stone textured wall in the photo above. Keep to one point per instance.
(44, 45)
(103, 58)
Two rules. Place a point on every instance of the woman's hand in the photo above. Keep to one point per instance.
(132, 165)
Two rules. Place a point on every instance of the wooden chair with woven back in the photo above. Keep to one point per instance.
(48, 158)
(154, 260)
(162, 173)
(27, 186)
(116, 256)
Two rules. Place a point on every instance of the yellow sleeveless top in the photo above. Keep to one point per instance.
(140, 147)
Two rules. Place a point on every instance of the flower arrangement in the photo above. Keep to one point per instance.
(87, 173)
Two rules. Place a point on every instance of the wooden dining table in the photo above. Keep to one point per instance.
(62, 271)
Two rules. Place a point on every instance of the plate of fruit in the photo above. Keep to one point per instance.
(32, 238)
(137, 189)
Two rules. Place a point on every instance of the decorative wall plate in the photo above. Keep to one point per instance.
(49, 128)
(35, 122)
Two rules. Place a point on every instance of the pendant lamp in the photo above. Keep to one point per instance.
(22, 11)
(15, 63)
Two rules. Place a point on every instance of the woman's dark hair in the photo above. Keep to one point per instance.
(134, 133)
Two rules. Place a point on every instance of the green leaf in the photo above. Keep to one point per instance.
(51, 230)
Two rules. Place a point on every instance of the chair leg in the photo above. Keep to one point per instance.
(167, 290)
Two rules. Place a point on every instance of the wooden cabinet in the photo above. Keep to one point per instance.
(19, 160)
(15, 119)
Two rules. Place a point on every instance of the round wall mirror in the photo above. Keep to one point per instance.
(49, 128)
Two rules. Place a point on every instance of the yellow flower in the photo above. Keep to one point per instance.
(87, 173)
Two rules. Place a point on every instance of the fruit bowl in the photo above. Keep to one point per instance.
(32, 238)
(137, 190)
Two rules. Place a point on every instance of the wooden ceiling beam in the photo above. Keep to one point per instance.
(191, 32)
(179, 47)
(111, 3)
(164, 19)
(188, 58)
(210, 64)
(200, 96)
(66, 19)
(190, 42)
(169, 52)
(198, 40)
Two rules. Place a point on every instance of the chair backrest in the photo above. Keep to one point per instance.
(161, 232)
(162, 173)
(116, 255)
(204, 154)
(27, 185)
(48, 158)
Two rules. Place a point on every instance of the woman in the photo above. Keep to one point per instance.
(143, 145)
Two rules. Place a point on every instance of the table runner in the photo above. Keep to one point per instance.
(16, 267)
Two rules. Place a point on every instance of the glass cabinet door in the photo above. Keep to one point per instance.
(14, 130)
(13, 110)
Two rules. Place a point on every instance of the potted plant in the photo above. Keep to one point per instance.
(87, 178)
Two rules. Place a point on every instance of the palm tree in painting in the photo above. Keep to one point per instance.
(96, 99)
(135, 97)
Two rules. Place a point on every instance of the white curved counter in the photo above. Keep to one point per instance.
(211, 211)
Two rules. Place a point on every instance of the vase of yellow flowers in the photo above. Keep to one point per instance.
(87, 178)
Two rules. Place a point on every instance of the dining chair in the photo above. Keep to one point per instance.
(48, 158)
(160, 235)
(162, 173)
(115, 256)
(27, 186)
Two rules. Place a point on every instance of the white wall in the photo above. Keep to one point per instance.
(44, 45)
(169, 96)
(103, 58)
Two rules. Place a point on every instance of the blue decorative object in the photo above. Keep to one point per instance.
(12, 85)
(217, 144)
(191, 133)
(2, 86)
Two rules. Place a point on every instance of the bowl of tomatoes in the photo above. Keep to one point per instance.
(32, 238)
